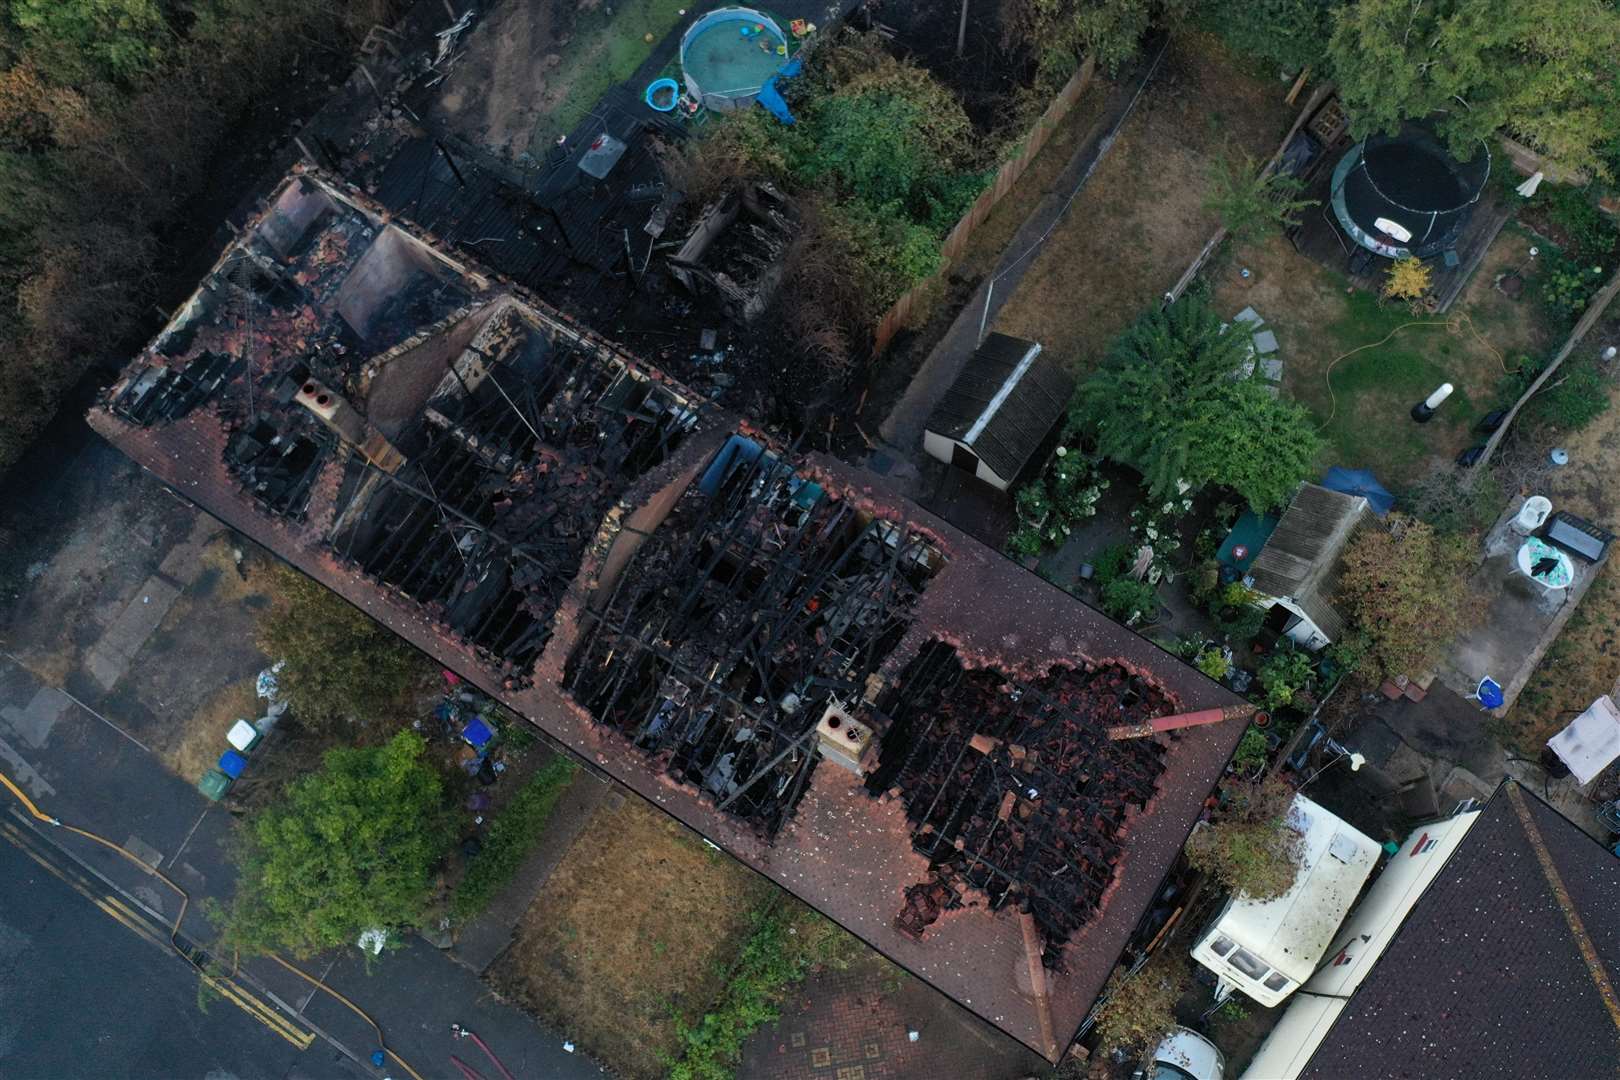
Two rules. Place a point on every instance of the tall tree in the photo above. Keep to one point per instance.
(350, 848)
(1170, 400)
(1547, 71)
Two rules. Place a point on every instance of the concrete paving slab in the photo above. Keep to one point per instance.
(143, 851)
(1272, 388)
(109, 658)
(33, 722)
(1271, 368)
(1265, 342)
(1251, 317)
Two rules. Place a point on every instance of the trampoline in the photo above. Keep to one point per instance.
(727, 55)
(1403, 194)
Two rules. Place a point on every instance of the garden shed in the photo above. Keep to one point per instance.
(999, 410)
(1298, 568)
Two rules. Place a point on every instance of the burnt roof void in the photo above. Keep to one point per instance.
(761, 603)
(887, 718)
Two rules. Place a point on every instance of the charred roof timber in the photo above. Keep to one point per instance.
(761, 605)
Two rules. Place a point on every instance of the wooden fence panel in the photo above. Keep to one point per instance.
(894, 320)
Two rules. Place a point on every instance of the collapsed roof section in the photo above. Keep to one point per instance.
(471, 441)
(759, 607)
(1014, 786)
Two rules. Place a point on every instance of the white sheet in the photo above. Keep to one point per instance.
(1591, 741)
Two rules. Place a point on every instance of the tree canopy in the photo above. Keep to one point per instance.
(1547, 71)
(340, 664)
(1170, 401)
(1250, 846)
(1291, 34)
(1407, 587)
(349, 848)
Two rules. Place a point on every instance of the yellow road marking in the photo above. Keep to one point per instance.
(243, 999)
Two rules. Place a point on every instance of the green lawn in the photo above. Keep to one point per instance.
(605, 50)
(1363, 399)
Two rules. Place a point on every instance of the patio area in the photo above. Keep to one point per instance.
(1519, 616)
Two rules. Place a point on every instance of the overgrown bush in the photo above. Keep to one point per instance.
(1577, 395)
(1287, 34)
(1453, 508)
(885, 151)
(340, 664)
(1252, 206)
(1250, 847)
(1407, 586)
(1166, 402)
(1590, 232)
(787, 942)
(349, 848)
(1567, 285)
(1214, 663)
(1139, 1010)
(516, 829)
(1058, 34)
(1283, 673)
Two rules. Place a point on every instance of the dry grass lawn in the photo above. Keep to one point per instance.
(1585, 660)
(1140, 219)
(1364, 413)
(639, 923)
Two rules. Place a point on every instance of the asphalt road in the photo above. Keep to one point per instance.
(85, 994)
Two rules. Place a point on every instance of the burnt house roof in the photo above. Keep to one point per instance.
(684, 602)
(1004, 402)
(1505, 967)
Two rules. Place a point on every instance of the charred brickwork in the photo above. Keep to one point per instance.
(762, 601)
(1014, 787)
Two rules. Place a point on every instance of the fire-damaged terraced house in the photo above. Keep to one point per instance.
(912, 733)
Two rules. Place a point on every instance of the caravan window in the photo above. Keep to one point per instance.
(1248, 963)
(1221, 945)
(1277, 981)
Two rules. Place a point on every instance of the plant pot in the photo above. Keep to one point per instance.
(1261, 719)
(1087, 571)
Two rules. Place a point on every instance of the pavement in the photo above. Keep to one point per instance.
(858, 1024)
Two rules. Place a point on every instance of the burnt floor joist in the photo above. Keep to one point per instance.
(510, 471)
(1013, 785)
(739, 621)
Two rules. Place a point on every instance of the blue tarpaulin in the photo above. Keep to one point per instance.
(771, 98)
(1360, 482)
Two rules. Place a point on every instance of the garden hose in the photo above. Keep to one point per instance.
(185, 901)
(1454, 325)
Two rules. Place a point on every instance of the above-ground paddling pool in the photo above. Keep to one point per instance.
(727, 55)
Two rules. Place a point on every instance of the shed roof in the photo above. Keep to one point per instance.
(1521, 913)
(1301, 557)
(1003, 403)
